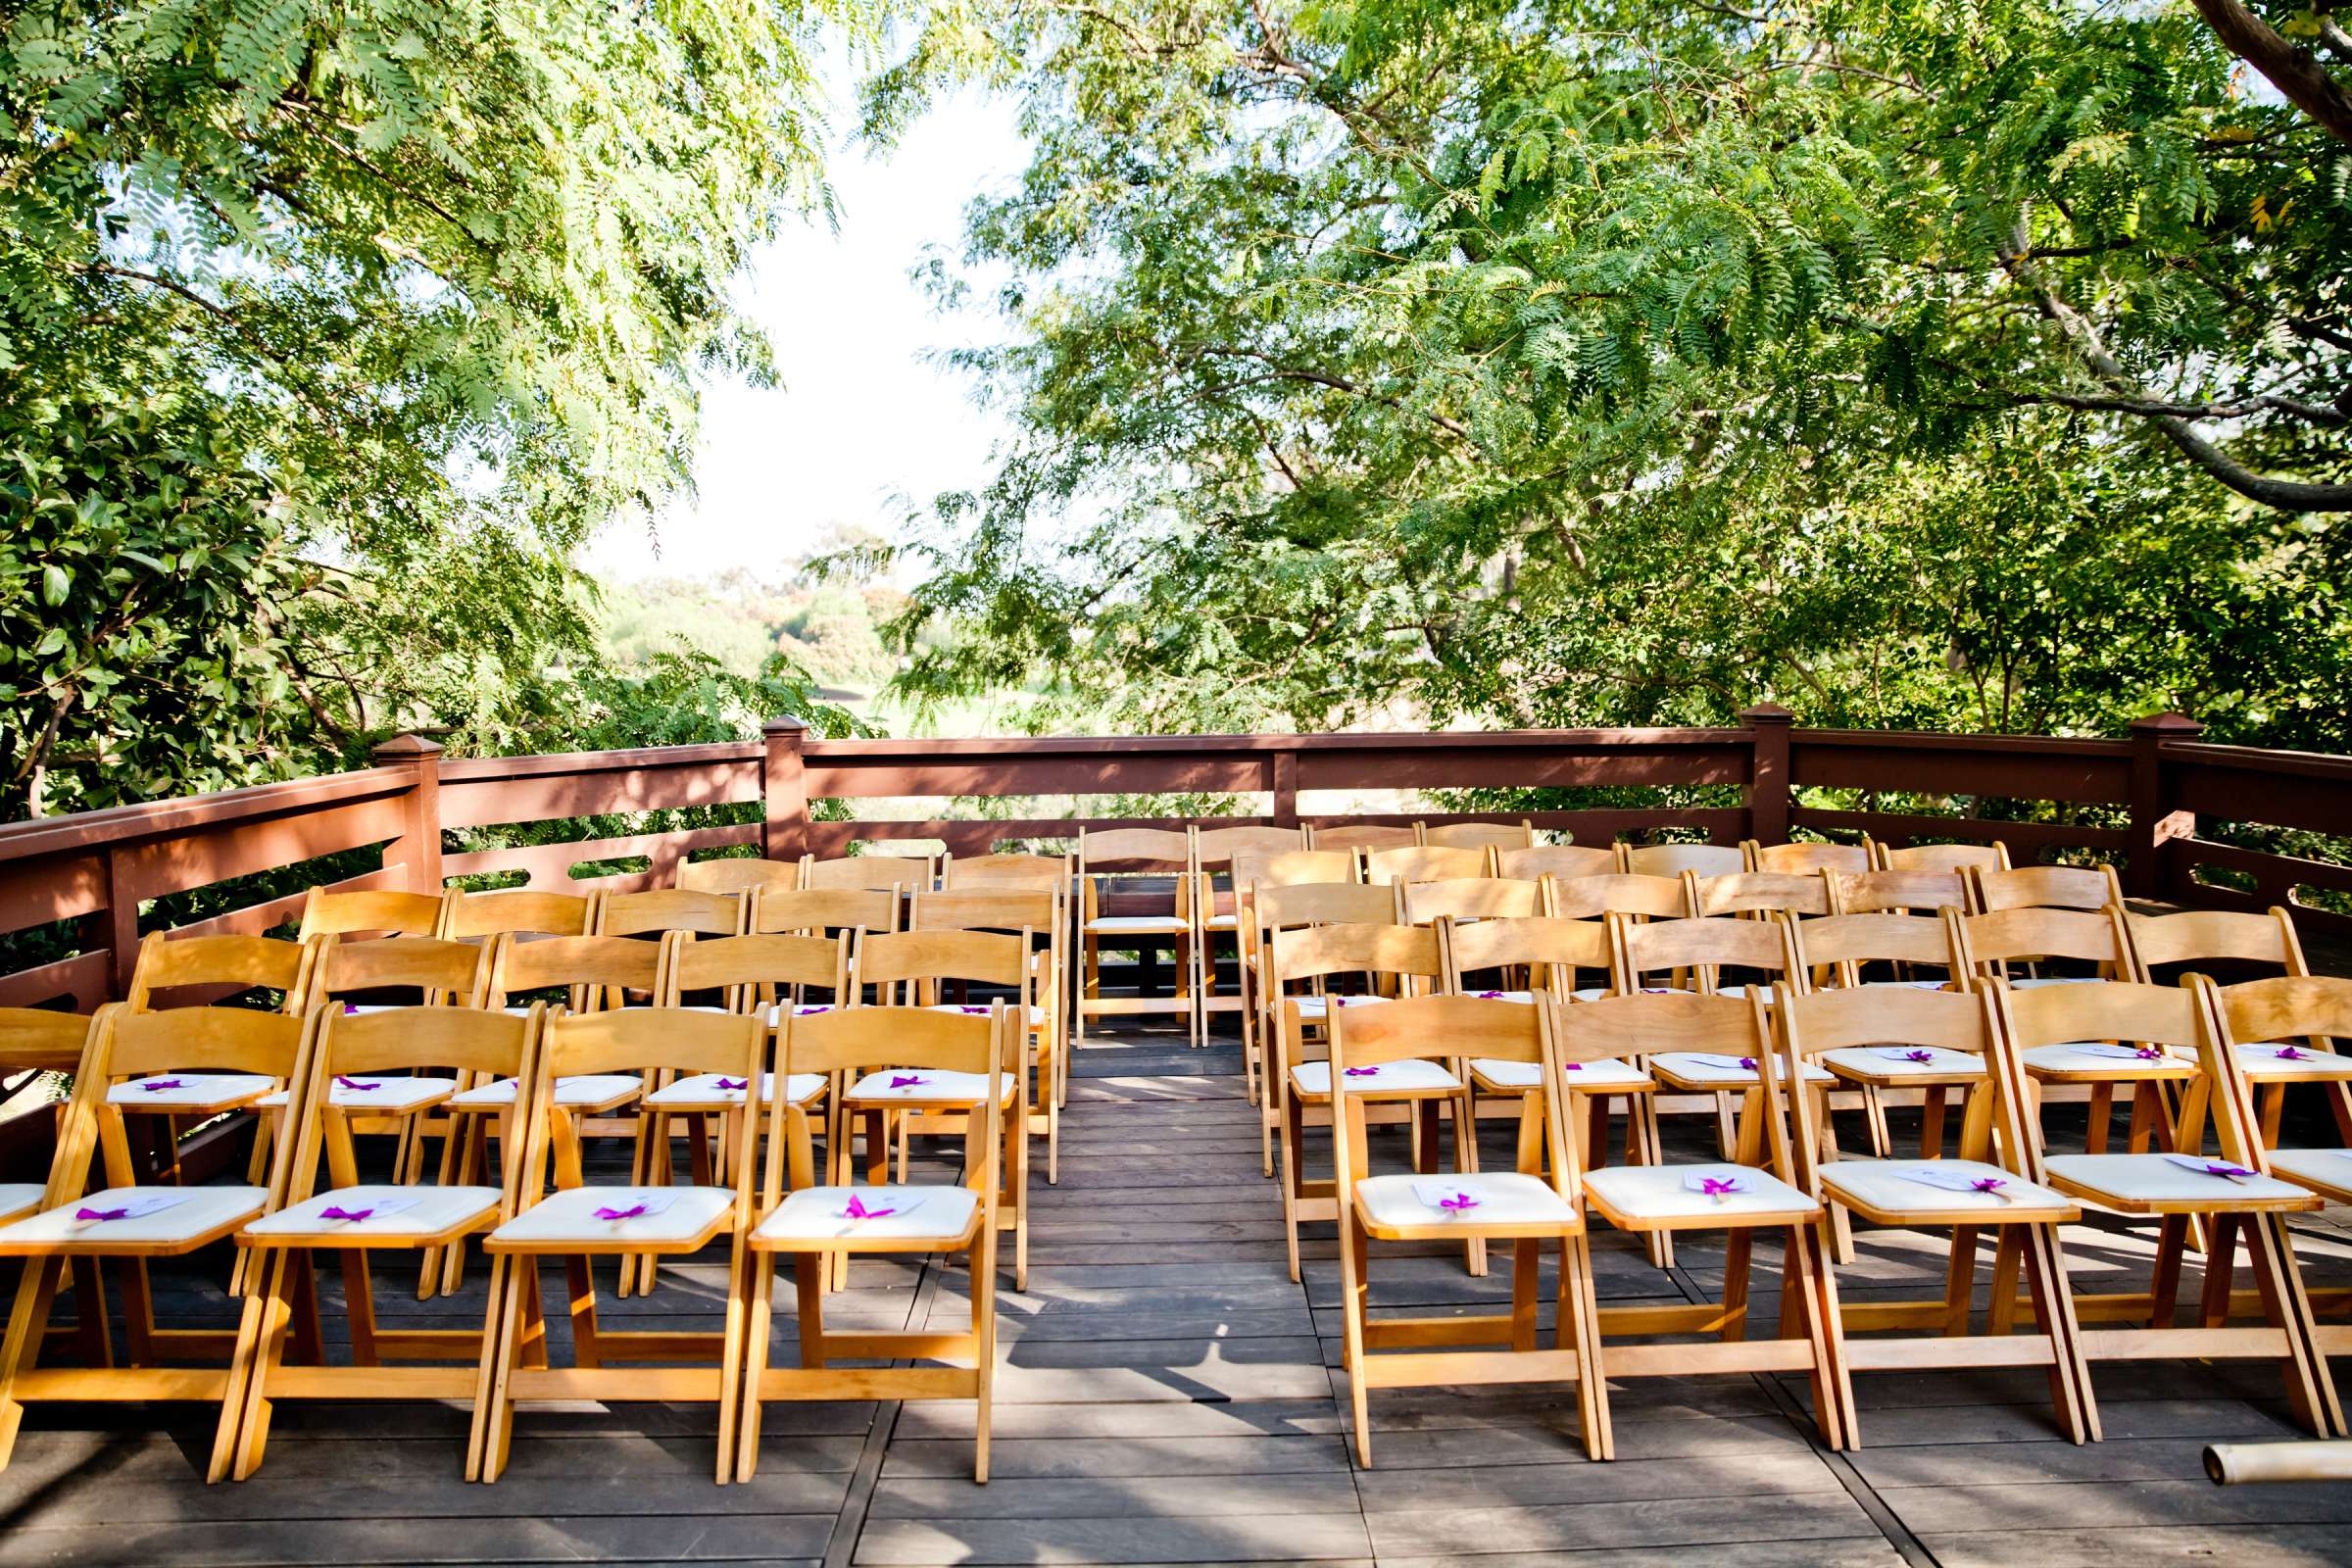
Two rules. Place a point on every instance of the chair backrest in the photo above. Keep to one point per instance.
(1360, 836)
(867, 872)
(37, 1040)
(1566, 861)
(2123, 1011)
(920, 959)
(2207, 936)
(1989, 941)
(1312, 953)
(499, 1045)
(1475, 898)
(1865, 892)
(1962, 858)
(2048, 887)
(123, 1044)
(1805, 1025)
(1760, 891)
(2314, 1008)
(442, 971)
(986, 908)
(632, 1040)
(1415, 862)
(753, 969)
(1478, 835)
(665, 909)
(1810, 859)
(1705, 944)
(1132, 852)
(822, 910)
(169, 963)
(1051, 872)
(1589, 898)
(1424, 1028)
(1562, 946)
(517, 911)
(402, 915)
(1835, 948)
(1287, 906)
(598, 972)
(1257, 869)
(1640, 1024)
(739, 874)
(1217, 846)
(855, 1040)
(1673, 859)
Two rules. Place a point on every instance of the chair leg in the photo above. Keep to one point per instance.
(1874, 1122)
(496, 1414)
(1465, 1158)
(1832, 1384)
(814, 1269)
(1294, 1133)
(984, 1329)
(2054, 1314)
(1355, 1293)
(730, 1375)
(2002, 1316)
(1661, 1244)
(27, 1327)
(2310, 1385)
(1020, 1196)
(1739, 1251)
(2221, 1265)
(501, 1322)
(241, 1362)
(1959, 1281)
(281, 1284)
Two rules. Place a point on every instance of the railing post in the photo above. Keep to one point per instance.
(1768, 774)
(2154, 822)
(784, 791)
(1282, 783)
(419, 847)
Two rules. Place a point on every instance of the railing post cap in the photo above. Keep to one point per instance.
(784, 724)
(1767, 714)
(405, 747)
(2167, 725)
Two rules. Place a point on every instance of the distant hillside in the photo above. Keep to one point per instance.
(739, 620)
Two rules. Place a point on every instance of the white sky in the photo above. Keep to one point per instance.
(860, 421)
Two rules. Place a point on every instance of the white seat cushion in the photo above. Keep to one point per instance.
(1590, 993)
(189, 1091)
(1885, 1186)
(1706, 1071)
(19, 1197)
(374, 1091)
(2032, 981)
(718, 1089)
(936, 1088)
(587, 1088)
(1497, 1197)
(818, 1213)
(2154, 1179)
(193, 1212)
(1411, 1075)
(1525, 998)
(2329, 1170)
(1221, 923)
(2091, 1058)
(1606, 1074)
(570, 1215)
(1320, 1007)
(1165, 924)
(1903, 1061)
(1662, 1192)
(1906, 985)
(2291, 1063)
(413, 1211)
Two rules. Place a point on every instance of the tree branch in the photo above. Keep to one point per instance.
(2303, 81)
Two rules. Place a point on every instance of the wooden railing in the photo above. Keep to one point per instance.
(95, 872)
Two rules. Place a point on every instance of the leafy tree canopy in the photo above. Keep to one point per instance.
(1625, 360)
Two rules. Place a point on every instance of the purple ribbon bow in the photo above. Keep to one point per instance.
(1572, 1066)
(2218, 1168)
(972, 1010)
(730, 1085)
(908, 1080)
(337, 1211)
(1919, 1056)
(154, 1085)
(1657, 991)
(342, 1082)
(350, 1008)
(2151, 1053)
(630, 1213)
(1719, 1186)
(1458, 1203)
(102, 1213)
(1490, 996)
(2291, 1053)
(1749, 1062)
(1362, 1072)
(1987, 1183)
(857, 1211)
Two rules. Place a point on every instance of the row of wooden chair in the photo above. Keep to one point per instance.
(771, 1205)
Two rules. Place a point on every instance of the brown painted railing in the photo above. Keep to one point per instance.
(97, 871)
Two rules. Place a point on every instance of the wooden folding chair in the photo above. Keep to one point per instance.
(35, 1040)
(1959, 857)
(327, 911)
(1039, 912)
(1654, 951)
(1357, 836)
(2047, 887)
(908, 969)
(129, 1222)
(1463, 900)
(868, 873)
(1500, 836)
(1794, 893)
(1122, 856)
(816, 912)
(1899, 892)
(739, 874)
(595, 974)
(579, 1223)
(517, 911)
(1215, 848)
(841, 1219)
(1810, 860)
(1993, 1185)
(1253, 868)
(1050, 873)
(1563, 861)
(217, 967)
(1274, 903)
(1673, 859)
(357, 1220)
(1637, 896)
(1518, 1209)
(1414, 863)
(1755, 1189)
(2243, 940)
(1300, 1074)
(1843, 952)
(2177, 1188)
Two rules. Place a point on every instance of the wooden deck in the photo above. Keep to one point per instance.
(1167, 1396)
